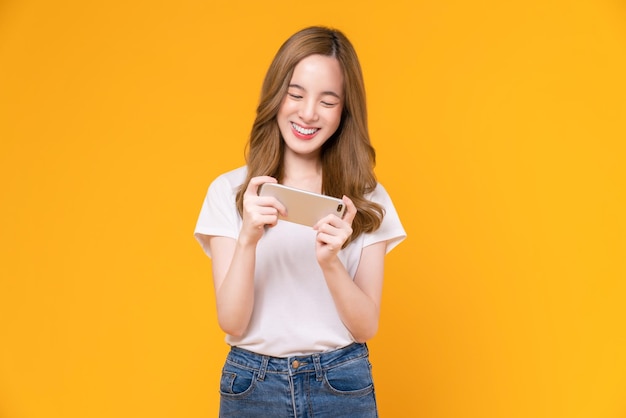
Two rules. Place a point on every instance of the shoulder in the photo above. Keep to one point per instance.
(391, 229)
(233, 178)
(229, 182)
(226, 185)
(379, 195)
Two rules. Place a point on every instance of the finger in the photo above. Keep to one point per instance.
(272, 202)
(261, 216)
(255, 182)
(331, 242)
(337, 222)
(255, 206)
(270, 220)
(331, 234)
(325, 226)
(327, 239)
(350, 209)
(268, 210)
(330, 221)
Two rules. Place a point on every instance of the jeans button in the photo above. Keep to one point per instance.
(295, 364)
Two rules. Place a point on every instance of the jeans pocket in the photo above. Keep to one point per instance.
(237, 381)
(351, 378)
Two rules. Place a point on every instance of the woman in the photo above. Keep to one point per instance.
(299, 303)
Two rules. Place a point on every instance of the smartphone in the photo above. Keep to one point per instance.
(305, 208)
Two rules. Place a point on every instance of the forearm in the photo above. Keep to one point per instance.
(234, 260)
(357, 310)
(235, 295)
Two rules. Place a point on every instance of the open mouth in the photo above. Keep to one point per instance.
(304, 132)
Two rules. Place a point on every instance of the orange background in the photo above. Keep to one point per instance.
(500, 130)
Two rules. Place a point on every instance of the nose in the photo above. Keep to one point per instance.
(308, 111)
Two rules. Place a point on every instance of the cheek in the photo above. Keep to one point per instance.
(334, 117)
(286, 108)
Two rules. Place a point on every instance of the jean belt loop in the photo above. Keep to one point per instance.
(318, 367)
(263, 368)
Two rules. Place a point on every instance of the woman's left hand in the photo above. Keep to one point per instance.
(333, 232)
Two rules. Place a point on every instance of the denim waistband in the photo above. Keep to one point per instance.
(296, 364)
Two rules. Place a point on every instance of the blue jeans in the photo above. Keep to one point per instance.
(332, 384)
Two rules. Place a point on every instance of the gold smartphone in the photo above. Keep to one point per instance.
(305, 208)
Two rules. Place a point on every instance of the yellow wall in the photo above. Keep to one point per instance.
(500, 130)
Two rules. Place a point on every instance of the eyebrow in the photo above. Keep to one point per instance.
(324, 93)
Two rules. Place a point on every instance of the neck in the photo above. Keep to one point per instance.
(303, 173)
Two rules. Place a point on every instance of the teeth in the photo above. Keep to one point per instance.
(304, 131)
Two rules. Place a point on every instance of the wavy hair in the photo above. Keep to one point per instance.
(348, 158)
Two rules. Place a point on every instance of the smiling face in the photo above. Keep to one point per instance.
(311, 110)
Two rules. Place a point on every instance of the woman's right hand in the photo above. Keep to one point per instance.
(259, 211)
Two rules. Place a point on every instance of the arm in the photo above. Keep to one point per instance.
(358, 300)
(234, 261)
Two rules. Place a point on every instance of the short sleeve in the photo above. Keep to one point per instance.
(219, 215)
(391, 229)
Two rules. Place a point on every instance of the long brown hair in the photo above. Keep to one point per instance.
(348, 158)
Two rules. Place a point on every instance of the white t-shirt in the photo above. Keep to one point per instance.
(294, 312)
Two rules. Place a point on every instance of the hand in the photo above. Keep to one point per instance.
(333, 232)
(259, 211)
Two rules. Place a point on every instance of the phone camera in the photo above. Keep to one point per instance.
(339, 207)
